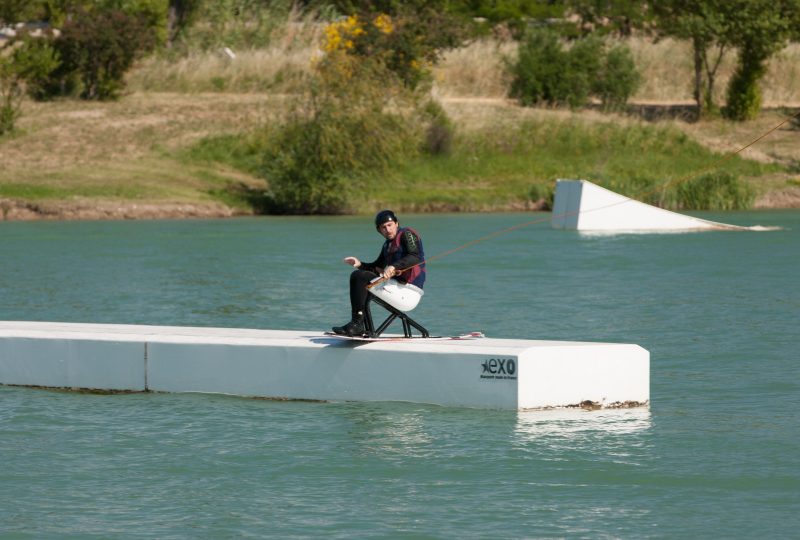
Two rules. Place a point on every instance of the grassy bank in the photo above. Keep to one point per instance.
(179, 143)
(512, 161)
(187, 154)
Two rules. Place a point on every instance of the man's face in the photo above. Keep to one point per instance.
(388, 230)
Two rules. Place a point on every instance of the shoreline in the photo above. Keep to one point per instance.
(102, 210)
(20, 210)
(138, 158)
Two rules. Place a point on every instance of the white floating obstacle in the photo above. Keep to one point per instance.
(585, 206)
(484, 373)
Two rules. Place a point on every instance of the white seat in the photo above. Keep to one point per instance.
(401, 296)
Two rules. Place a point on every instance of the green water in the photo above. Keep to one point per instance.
(717, 455)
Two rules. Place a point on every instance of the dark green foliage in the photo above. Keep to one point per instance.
(100, 46)
(514, 15)
(439, 134)
(44, 60)
(318, 165)
(546, 72)
(544, 194)
(617, 80)
(213, 24)
(13, 11)
(537, 73)
(8, 116)
(759, 28)
(620, 17)
(582, 67)
(318, 161)
(180, 15)
(23, 67)
(714, 191)
(718, 190)
(301, 179)
(744, 93)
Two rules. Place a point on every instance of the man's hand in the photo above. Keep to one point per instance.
(388, 272)
(352, 261)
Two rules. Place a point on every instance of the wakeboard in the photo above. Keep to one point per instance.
(467, 335)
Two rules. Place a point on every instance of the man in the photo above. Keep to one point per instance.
(401, 257)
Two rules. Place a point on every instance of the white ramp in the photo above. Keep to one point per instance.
(585, 206)
(484, 373)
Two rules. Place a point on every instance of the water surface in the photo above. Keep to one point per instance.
(717, 454)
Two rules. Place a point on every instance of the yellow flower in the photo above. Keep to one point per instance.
(353, 27)
(383, 23)
(341, 35)
(332, 38)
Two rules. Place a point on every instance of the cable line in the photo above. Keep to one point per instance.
(679, 180)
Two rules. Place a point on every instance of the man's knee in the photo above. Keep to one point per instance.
(361, 277)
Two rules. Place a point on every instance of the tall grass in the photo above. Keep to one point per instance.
(715, 191)
(477, 70)
(259, 70)
(277, 67)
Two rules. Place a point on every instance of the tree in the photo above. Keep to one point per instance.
(13, 11)
(759, 28)
(756, 28)
(180, 14)
(364, 109)
(704, 23)
(406, 43)
(516, 15)
(100, 46)
(616, 16)
(25, 61)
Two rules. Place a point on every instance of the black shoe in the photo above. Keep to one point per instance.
(354, 328)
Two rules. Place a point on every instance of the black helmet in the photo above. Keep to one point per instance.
(383, 216)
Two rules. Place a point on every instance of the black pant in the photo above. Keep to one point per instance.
(359, 280)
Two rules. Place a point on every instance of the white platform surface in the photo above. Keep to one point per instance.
(485, 373)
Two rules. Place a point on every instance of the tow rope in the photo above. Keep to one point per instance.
(677, 181)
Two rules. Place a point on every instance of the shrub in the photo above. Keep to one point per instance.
(542, 195)
(617, 80)
(343, 131)
(439, 133)
(536, 71)
(43, 60)
(363, 111)
(583, 62)
(407, 43)
(100, 46)
(547, 72)
(24, 66)
(744, 94)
